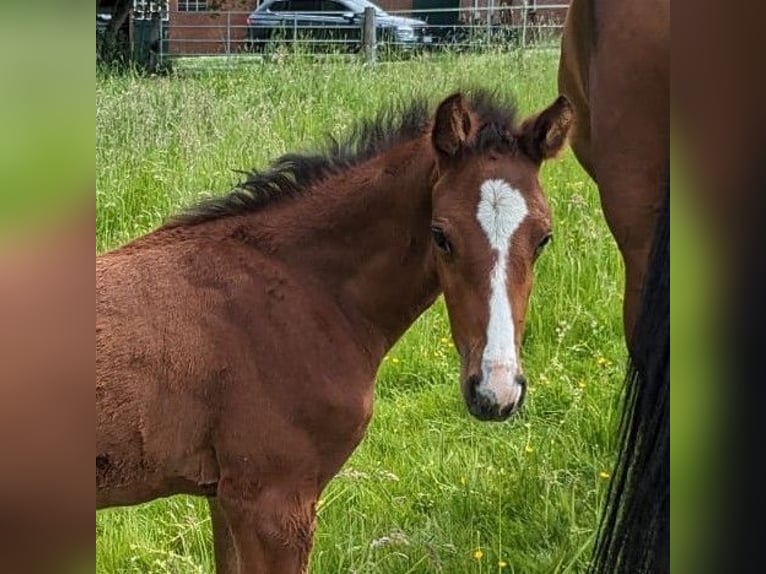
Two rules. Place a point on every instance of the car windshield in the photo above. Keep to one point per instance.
(362, 4)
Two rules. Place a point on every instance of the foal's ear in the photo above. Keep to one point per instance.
(544, 135)
(452, 126)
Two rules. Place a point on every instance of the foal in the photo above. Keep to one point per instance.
(237, 345)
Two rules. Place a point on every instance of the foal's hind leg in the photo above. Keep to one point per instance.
(272, 525)
(226, 560)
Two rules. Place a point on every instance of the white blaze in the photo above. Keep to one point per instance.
(500, 213)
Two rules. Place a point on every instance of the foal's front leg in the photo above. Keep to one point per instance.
(272, 525)
(226, 560)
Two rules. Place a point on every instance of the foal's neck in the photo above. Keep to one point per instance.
(365, 236)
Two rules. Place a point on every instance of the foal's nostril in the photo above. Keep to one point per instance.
(473, 382)
(506, 410)
(521, 380)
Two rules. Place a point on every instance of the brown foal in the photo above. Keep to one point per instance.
(237, 345)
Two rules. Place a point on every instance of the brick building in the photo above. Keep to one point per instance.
(207, 27)
(220, 26)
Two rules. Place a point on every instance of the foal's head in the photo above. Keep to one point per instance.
(490, 221)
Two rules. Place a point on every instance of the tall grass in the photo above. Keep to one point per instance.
(430, 489)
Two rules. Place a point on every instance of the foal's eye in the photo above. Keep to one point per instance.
(543, 242)
(440, 239)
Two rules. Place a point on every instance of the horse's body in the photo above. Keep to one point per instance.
(237, 346)
(241, 377)
(615, 68)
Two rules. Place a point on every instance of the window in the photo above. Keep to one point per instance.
(192, 5)
(305, 5)
(296, 6)
(332, 6)
(148, 9)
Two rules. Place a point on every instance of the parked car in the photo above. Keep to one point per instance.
(102, 21)
(330, 23)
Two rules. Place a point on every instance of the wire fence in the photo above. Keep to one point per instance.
(234, 35)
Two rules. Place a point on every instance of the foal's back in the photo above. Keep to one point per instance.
(202, 341)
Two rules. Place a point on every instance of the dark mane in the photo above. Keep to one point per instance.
(292, 174)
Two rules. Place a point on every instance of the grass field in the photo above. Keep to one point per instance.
(430, 489)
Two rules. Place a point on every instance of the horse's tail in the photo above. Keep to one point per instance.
(634, 534)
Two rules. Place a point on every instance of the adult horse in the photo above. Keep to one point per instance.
(237, 345)
(615, 69)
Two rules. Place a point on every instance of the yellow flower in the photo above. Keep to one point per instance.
(478, 554)
(395, 360)
(444, 340)
(502, 564)
(603, 474)
(529, 449)
(581, 384)
(602, 361)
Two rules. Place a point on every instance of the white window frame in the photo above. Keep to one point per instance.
(193, 6)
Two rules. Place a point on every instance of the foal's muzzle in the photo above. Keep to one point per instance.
(483, 403)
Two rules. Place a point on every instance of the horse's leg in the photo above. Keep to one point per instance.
(635, 259)
(631, 194)
(617, 79)
(630, 131)
(272, 525)
(630, 172)
(226, 560)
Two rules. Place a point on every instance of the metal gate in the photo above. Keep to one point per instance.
(150, 33)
